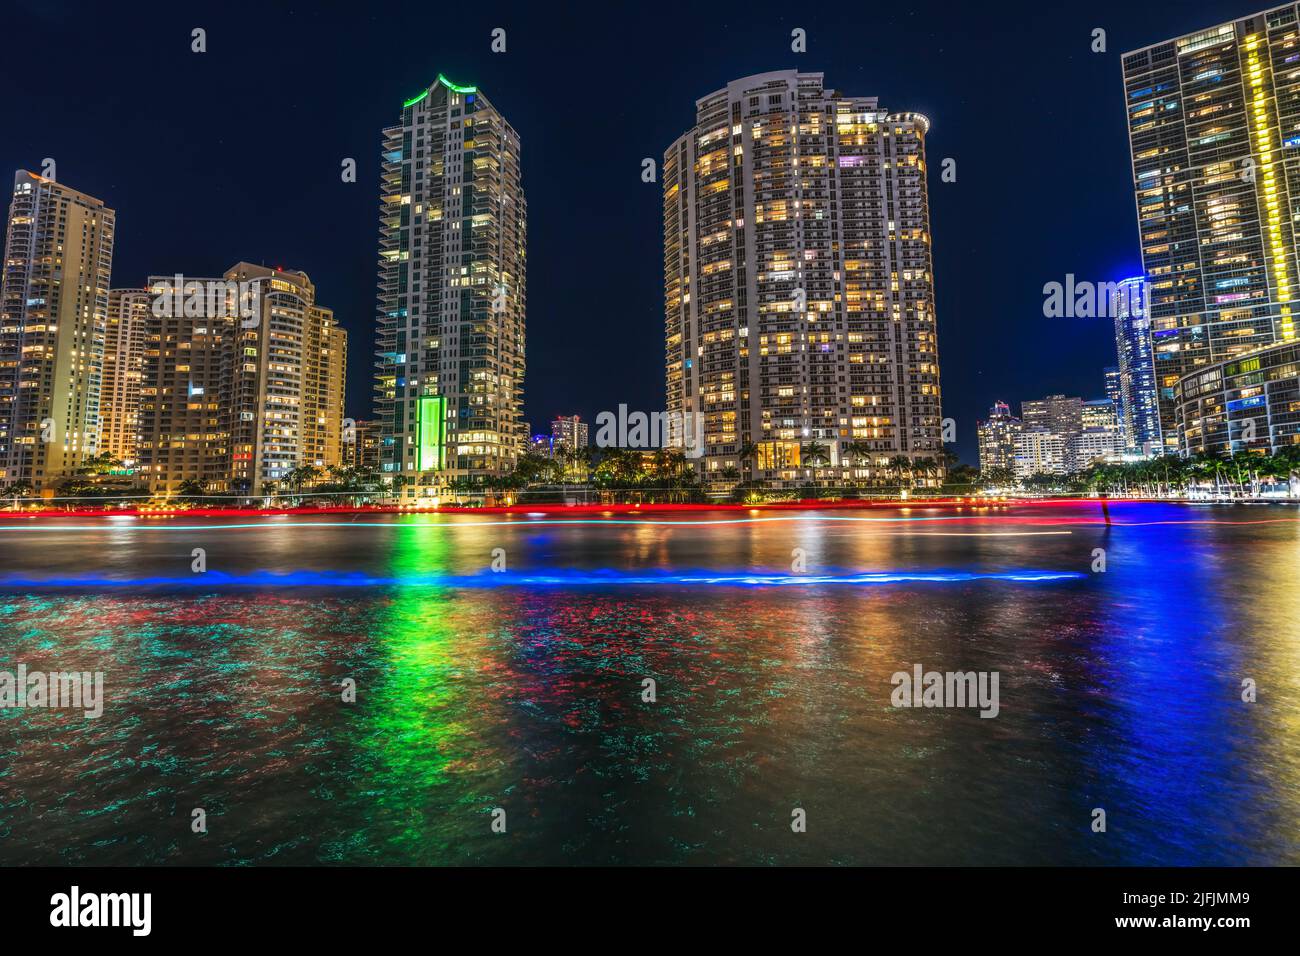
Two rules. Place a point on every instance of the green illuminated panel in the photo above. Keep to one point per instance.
(431, 428)
(454, 88)
(445, 82)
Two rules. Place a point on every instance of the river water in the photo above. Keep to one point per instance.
(771, 639)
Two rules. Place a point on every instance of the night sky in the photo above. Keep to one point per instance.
(235, 154)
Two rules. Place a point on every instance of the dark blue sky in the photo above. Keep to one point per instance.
(234, 154)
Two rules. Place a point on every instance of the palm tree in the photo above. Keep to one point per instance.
(190, 490)
(620, 468)
(19, 489)
(927, 466)
(900, 465)
(747, 454)
(858, 452)
(815, 452)
(101, 464)
(1209, 466)
(574, 462)
(301, 475)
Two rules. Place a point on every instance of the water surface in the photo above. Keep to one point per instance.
(479, 690)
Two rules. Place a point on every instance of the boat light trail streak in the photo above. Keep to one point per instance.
(146, 525)
(307, 578)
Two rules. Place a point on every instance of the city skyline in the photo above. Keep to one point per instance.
(329, 233)
(557, 437)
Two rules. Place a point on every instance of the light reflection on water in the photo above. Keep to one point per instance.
(1118, 690)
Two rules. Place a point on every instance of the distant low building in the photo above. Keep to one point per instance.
(361, 449)
(570, 432)
(1040, 451)
(1101, 436)
(997, 437)
(1067, 434)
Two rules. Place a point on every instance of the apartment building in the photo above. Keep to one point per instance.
(798, 286)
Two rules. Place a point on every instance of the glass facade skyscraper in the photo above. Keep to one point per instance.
(1139, 407)
(1214, 131)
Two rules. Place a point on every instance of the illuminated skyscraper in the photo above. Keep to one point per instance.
(119, 405)
(324, 391)
(1136, 400)
(798, 291)
(187, 391)
(1214, 131)
(1113, 389)
(1040, 451)
(242, 381)
(450, 346)
(53, 310)
(1251, 404)
(289, 413)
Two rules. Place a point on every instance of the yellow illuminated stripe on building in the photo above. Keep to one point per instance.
(1264, 150)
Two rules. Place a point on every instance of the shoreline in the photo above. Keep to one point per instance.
(587, 510)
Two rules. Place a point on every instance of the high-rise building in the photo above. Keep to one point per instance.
(450, 345)
(569, 431)
(798, 289)
(1215, 145)
(288, 380)
(53, 311)
(1133, 387)
(187, 387)
(1057, 413)
(997, 437)
(119, 404)
(324, 382)
(1114, 391)
(1062, 434)
(242, 381)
